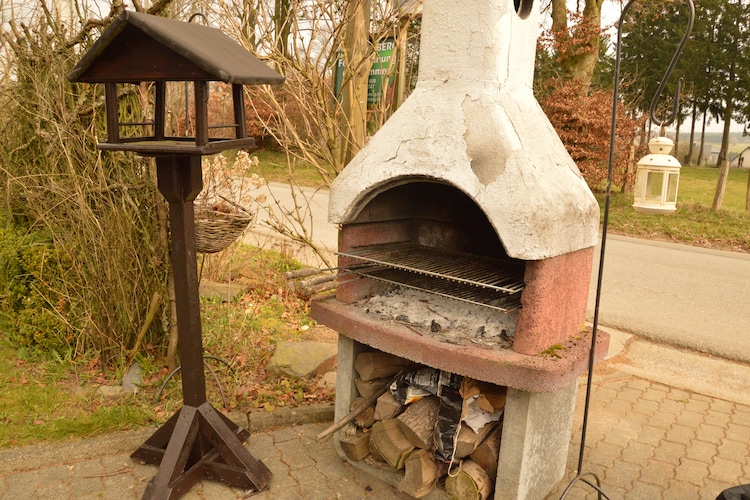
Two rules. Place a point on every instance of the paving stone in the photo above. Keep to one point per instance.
(646, 406)
(621, 436)
(732, 450)
(709, 433)
(294, 456)
(657, 473)
(652, 394)
(670, 452)
(678, 395)
(58, 491)
(712, 489)
(701, 451)
(671, 406)
(637, 453)
(725, 471)
(717, 418)
(697, 406)
(19, 485)
(630, 395)
(622, 475)
(662, 419)
(639, 384)
(642, 491)
(88, 485)
(680, 434)
(690, 418)
(651, 435)
(691, 471)
(737, 432)
(721, 406)
(605, 454)
(681, 490)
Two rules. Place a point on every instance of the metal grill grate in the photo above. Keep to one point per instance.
(470, 278)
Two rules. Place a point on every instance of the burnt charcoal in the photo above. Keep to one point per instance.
(480, 331)
(435, 326)
(505, 337)
(402, 317)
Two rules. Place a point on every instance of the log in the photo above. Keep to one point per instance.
(357, 446)
(387, 407)
(366, 418)
(377, 364)
(470, 483)
(301, 273)
(359, 409)
(421, 473)
(486, 455)
(387, 441)
(468, 440)
(366, 388)
(418, 422)
(309, 291)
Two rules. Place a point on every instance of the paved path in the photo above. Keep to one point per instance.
(674, 430)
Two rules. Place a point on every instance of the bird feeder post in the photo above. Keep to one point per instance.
(198, 441)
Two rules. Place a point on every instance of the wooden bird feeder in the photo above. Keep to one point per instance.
(144, 48)
(198, 441)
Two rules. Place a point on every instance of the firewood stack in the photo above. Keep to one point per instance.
(433, 425)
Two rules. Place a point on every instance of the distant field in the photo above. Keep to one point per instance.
(698, 184)
(694, 223)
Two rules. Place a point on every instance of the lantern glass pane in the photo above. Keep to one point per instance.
(640, 185)
(654, 184)
(672, 188)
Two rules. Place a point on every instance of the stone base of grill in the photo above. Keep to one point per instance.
(535, 437)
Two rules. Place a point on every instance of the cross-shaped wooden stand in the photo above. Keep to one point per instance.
(198, 441)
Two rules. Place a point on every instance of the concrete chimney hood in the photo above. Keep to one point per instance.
(473, 123)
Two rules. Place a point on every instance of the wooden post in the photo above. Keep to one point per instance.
(197, 441)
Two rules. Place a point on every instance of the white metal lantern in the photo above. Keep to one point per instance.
(657, 178)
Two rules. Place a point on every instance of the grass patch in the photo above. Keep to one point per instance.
(693, 223)
(274, 167)
(50, 399)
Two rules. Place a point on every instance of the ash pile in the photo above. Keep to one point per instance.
(446, 319)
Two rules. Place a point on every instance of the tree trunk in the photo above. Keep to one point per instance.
(283, 26)
(703, 138)
(723, 161)
(356, 50)
(578, 52)
(689, 156)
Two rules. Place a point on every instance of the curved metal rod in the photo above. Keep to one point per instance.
(672, 64)
(582, 478)
(605, 222)
(205, 357)
(198, 14)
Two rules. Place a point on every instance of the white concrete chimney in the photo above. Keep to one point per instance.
(472, 122)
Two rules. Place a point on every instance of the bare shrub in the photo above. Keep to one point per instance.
(105, 257)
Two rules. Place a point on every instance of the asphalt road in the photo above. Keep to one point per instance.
(677, 294)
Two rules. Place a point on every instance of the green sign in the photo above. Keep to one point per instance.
(338, 75)
(380, 71)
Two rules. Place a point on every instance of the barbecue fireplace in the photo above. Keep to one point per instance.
(466, 203)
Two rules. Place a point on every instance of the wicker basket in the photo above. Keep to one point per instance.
(216, 229)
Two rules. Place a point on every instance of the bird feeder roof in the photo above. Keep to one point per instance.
(142, 47)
